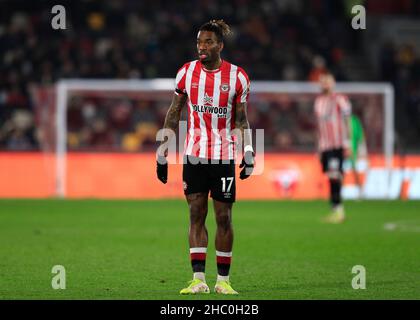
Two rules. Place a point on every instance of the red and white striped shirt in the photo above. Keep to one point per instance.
(332, 112)
(212, 98)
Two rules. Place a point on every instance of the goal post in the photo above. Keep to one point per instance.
(384, 89)
(260, 90)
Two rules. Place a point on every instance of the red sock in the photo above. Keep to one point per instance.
(223, 260)
(198, 259)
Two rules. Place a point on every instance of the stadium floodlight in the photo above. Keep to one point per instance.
(260, 90)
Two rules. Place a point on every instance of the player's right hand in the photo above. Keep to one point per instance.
(162, 169)
(247, 164)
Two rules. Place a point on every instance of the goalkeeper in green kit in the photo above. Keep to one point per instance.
(358, 148)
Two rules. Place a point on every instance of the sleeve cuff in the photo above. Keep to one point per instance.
(248, 148)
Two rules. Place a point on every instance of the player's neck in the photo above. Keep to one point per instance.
(212, 65)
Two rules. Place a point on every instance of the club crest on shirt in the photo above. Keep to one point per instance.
(224, 87)
(207, 99)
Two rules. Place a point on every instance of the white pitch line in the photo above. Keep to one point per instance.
(403, 225)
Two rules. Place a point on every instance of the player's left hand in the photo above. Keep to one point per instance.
(247, 164)
(162, 169)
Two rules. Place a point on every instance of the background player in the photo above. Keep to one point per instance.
(216, 93)
(332, 113)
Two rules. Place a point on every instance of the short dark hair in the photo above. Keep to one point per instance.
(219, 27)
(328, 72)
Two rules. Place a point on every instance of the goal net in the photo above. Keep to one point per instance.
(124, 116)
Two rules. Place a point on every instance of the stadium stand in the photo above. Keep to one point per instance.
(273, 40)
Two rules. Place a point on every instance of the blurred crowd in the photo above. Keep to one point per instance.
(104, 124)
(400, 65)
(131, 39)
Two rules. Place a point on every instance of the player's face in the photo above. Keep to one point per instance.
(327, 83)
(208, 47)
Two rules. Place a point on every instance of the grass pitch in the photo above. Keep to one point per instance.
(139, 250)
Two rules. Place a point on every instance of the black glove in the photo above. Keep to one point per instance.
(162, 169)
(247, 164)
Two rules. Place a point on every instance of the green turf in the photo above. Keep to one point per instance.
(139, 250)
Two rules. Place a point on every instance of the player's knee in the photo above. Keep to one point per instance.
(198, 215)
(334, 180)
(223, 219)
(334, 176)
